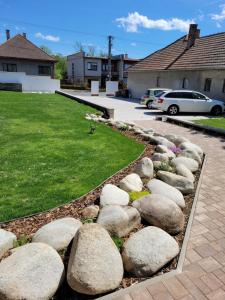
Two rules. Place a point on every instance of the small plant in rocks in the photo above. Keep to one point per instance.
(137, 195)
(88, 220)
(164, 166)
(21, 241)
(118, 241)
(124, 128)
(175, 150)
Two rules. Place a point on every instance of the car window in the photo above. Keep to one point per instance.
(147, 93)
(172, 95)
(187, 95)
(156, 92)
(199, 96)
(160, 94)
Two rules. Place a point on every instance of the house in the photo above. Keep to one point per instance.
(82, 69)
(191, 62)
(25, 67)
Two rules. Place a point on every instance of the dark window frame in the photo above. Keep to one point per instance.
(208, 84)
(7, 67)
(223, 90)
(185, 83)
(42, 70)
(92, 66)
(158, 81)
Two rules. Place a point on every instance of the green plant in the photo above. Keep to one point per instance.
(164, 166)
(88, 220)
(118, 241)
(92, 129)
(137, 195)
(124, 127)
(21, 241)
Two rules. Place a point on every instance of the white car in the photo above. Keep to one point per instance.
(177, 101)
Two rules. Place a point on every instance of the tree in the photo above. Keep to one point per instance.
(91, 50)
(103, 54)
(60, 67)
(46, 49)
(79, 46)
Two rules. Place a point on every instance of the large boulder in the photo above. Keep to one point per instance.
(157, 186)
(176, 139)
(164, 149)
(184, 171)
(58, 233)
(90, 211)
(159, 140)
(148, 250)
(181, 183)
(193, 147)
(131, 183)
(112, 195)
(33, 271)
(95, 265)
(161, 212)
(145, 168)
(191, 154)
(190, 163)
(119, 220)
(7, 239)
(163, 157)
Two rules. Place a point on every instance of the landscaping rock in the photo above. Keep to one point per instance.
(189, 163)
(148, 250)
(7, 239)
(184, 171)
(148, 131)
(156, 186)
(191, 146)
(58, 233)
(119, 220)
(163, 157)
(176, 139)
(131, 183)
(161, 212)
(90, 211)
(164, 149)
(159, 140)
(146, 136)
(181, 183)
(95, 265)
(33, 271)
(191, 154)
(145, 168)
(112, 195)
(138, 130)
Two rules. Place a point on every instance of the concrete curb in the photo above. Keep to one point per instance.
(182, 254)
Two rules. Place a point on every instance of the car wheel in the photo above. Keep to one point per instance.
(149, 104)
(173, 110)
(216, 110)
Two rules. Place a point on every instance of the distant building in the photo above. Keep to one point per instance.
(191, 62)
(18, 54)
(82, 69)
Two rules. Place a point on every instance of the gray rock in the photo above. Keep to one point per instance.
(149, 130)
(176, 139)
(163, 157)
(145, 168)
(7, 239)
(164, 149)
(159, 140)
(146, 136)
(32, 272)
(191, 154)
(189, 163)
(184, 171)
(161, 212)
(159, 187)
(95, 265)
(58, 233)
(193, 147)
(112, 195)
(90, 211)
(181, 183)
(119, 220)
(148, 250)
(131, 183)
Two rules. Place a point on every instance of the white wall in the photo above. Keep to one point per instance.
(31, 83)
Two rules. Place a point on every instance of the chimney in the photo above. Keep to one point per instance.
(193, 34)
(7, 34)
(24, 35)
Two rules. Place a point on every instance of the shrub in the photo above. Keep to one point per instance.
(118, 241)
(164, 166)
(137, 195)
(21, 241)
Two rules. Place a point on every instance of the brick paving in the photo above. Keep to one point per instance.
(203, 273)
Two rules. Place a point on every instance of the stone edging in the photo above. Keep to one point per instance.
(182, 254)
(108, 112)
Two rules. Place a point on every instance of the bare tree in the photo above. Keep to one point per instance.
(91, 50)
(79, 46)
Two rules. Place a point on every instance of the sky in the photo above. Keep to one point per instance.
(138, 27)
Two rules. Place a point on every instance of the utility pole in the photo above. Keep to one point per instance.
(110, 38)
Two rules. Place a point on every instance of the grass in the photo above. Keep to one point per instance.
(214, 122)
(48, 157)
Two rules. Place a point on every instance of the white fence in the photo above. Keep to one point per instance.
(31, 83)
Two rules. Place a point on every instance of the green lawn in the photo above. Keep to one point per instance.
(215, 122)
(47, 156)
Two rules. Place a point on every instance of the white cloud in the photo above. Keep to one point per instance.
(219, 17)
(133, 44)
(47, 37)
(134, 20)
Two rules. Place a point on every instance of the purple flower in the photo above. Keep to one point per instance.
(175, 150)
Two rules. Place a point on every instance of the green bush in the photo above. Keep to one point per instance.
(21, 241)
(118, 241)
(164, 166)
(137, 195)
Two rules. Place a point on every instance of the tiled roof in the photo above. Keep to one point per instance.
(21, 48)
(207, 53)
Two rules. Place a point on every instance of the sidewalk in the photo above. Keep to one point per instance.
(203, 276)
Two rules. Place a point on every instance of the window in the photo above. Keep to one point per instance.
(44, 70)
(156, 92)
(92, 66)
(185, 83)
(105, 67)
(199, 96)
(158, 81)
(223, 86)
(172, 95)
(9, 67)
(207, 86)
(187, 95)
